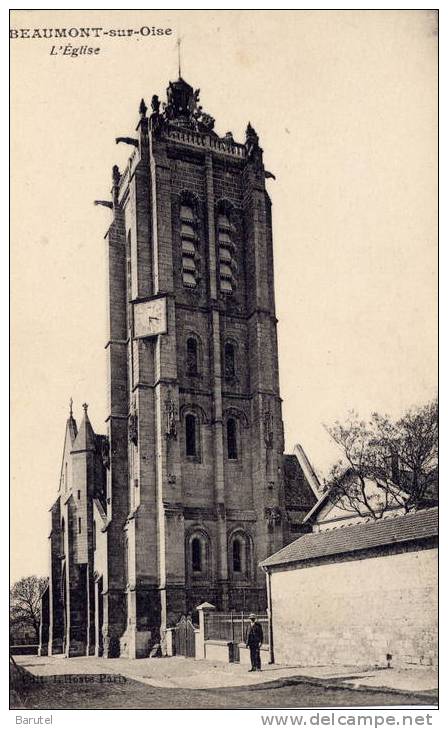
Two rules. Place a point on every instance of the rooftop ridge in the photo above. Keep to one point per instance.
(421, 524)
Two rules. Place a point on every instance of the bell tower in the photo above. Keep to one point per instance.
(195, 493)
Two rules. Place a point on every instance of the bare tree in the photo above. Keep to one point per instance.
(386, 464)
(25, 603)
(413, 442)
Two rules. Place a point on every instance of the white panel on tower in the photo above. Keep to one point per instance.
(150, 318)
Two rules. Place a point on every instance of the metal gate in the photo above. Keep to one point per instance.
(184, 643)
(232, 627)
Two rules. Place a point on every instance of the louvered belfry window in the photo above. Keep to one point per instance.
(226, 247)
(188, 235)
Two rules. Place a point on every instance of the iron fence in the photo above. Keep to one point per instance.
(232, 626)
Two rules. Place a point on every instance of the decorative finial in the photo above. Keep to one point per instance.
(85, 406)
(251, 134)
(115, 175)
(133, 425)
(268, 427)
(171, 416)
(253, 149)
(142, 108)
(178, 56)
(71, 407)
(155, 104)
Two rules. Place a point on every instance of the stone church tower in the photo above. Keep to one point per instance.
(194, 494)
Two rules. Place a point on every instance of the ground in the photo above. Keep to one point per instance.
(58, 683)
(134, 695)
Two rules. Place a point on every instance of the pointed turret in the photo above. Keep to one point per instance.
(71, 432)
(142, 108)
(85, 440)
(182, 100)
(183, 108)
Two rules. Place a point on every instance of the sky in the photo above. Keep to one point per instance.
(345, 104)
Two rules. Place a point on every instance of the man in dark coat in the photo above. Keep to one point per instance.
(254, 639)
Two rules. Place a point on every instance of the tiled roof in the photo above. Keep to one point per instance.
(299, 495)
(408, 527)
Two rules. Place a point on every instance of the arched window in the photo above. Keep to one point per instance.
(196, 555)
(188, 238)
(239, 552)
(232, 445)
(226, 247)
(236, 555)
(192, 357)
(191, 434)
(229, 360)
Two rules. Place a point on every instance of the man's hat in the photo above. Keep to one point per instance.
(252, 615)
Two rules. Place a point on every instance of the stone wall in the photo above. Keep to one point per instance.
(356, 611)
